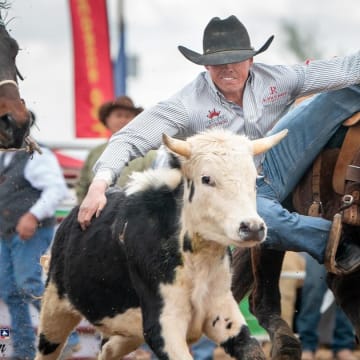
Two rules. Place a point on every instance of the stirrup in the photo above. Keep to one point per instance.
(332, 246)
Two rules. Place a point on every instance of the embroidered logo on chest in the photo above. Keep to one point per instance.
(273, 95)
(215, 118)
(213, 114)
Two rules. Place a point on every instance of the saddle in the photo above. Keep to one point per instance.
(331, 187)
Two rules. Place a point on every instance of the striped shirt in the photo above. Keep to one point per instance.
(269, 93)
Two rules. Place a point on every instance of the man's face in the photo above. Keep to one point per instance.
(230, 78)
(118, 118)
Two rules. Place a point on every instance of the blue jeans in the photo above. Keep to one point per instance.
(310, 125)
(309, 316)
(21, 284)
(203, 349)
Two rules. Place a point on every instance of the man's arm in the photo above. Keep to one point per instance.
(142, 134)
(94, 202)
(136, 139)
(324, 75)
(44, 173)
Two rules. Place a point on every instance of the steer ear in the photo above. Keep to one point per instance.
(180, 147)
(265, 144)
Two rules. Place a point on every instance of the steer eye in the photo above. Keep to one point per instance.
(207, 180)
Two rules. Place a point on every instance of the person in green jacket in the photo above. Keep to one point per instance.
(114, 115)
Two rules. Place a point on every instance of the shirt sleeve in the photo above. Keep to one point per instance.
(142, 134)
(44, 173)
(324, 75)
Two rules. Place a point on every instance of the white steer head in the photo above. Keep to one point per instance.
(220, 185)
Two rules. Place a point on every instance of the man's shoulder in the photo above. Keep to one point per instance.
(264, 70)
(196, 91)
(195, 86)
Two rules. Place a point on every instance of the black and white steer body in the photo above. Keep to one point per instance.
(156, 265)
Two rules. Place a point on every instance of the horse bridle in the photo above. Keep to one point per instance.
(5, 82)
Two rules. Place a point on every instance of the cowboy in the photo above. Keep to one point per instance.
(254, 99)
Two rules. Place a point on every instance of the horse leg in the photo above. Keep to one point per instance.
(344, 287)
(347, 296)
(265, 303)
(243, 279)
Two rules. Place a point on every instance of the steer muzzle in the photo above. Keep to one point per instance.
(251, 232)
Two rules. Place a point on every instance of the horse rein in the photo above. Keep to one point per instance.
(30, 146)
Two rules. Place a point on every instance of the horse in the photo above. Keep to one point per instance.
(330, 189)
(15, 118)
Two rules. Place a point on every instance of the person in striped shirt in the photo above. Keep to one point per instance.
(247, 97)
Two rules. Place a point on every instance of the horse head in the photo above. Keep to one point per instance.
(15, 119)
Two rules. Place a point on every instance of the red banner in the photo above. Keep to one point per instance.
(93, 76)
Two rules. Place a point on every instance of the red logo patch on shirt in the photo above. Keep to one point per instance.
(273, 90)
(273, 95)
(213, 113)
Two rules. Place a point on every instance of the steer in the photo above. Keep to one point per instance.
(155, 266)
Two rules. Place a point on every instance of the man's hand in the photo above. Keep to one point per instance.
(93, 203)
(26, 226)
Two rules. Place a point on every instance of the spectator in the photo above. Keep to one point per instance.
(114, 115)
(308, 319)
(32, 186)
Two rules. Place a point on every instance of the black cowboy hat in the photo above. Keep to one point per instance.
(225, 41)
(122, 102)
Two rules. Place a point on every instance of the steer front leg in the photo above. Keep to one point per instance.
(166, 321)
(226, 326)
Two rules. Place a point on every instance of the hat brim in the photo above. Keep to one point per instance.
(223, 57)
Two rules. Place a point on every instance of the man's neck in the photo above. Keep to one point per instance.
(235, 98)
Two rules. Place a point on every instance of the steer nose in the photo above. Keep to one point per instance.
(252, 230)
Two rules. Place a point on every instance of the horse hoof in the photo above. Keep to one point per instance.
(286, 348)
(253, 351)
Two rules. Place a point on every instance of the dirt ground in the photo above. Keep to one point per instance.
(219, 354)
(322, 354)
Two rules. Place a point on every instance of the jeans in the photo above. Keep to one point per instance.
(310, 125)
(21, 284)
(203, 349)
(309, 316)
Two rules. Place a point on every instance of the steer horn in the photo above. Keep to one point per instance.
(180, 147)
(265, 144)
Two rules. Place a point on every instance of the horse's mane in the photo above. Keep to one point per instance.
(4, 4)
